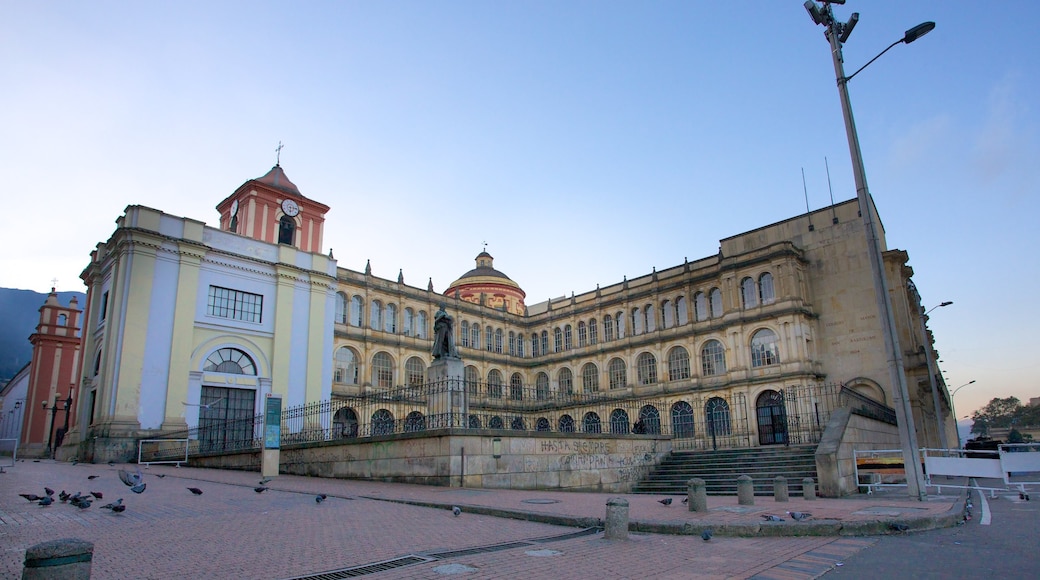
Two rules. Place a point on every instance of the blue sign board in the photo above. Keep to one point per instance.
(273, 422)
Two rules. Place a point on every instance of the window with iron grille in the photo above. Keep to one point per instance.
(235, 304)
(382, 370)
(472, 379)
(591, 424)
(619, 422)
(678, 364)
(566, 380)
(713, 358)
(516, 385)
(566, 424)
(415, 372)
(229, 360)
(494, 385)
(616, 370)
(646, 368)
(589, 378)
(541, 384)
(226, 418)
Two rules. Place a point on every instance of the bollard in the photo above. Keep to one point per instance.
(745, 490)
(617, 519)
(780, 488)
(697, 495)
(65, 559)
(808, 488)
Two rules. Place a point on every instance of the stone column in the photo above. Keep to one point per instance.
(745, 490)
(780, 488)
(65, 559)
(808, 488)
(447, 399)
(617, 519)
(697, 495)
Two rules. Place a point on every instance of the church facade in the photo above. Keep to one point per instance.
(181, 316)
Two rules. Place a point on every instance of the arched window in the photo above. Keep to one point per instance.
(566, 381)
(382, 422)
(668, 314)
(472, 379)
(341, 308)
(748, 293)
(415, 372)
(678, 364)
(516, 387)
(414, 422)
(557, 339)
(764, 350)
(375, 321)
(593, 339)
(518, 424)
(498, 340)
(489, 340)
(618, 373)
(649, 421)
(649, 318)
(226, 360)
(286, 231)
(765, 288)
(346, 366)
(566, 424)
(619, 422)
(583, 334)
(520, 345)
(542, 424)
(646, 368)
(568, 340)
(541, 386)
(682, 420)
(390, 323)
(591, 424)
(464, 333)
(715, 297)
(545, 342)
(409, 322)
(495, 423)
(420, 325)
(474, 335)
(345, 423)
(682, 315)
(494, 384)
(608, 328)
(700, 306)
(512, 343)
(534, 345)
(620, 320)
(713, 358)
(474, 422)
(637, 322)
(716, 416)
(382, 370)
(589, 378)
(356, 311)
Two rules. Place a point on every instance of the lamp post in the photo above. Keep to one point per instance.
(930, 358)
(837, 33)
(67, 403)
(952, 407)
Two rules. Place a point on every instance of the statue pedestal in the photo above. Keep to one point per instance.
(446, 400)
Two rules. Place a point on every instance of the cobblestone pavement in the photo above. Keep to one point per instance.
(230, 531)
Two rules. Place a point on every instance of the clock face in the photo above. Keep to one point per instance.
(234, 208)
(290, 208)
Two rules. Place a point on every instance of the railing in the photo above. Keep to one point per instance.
(866, 406)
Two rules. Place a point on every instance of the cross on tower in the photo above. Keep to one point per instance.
(278, 153)
(54, 283)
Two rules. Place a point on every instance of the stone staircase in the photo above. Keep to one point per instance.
(720, 470)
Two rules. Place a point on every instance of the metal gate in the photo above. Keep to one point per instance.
(772, 418)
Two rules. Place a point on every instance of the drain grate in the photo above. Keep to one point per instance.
(560, 538)
(479, 550)
(366, 569)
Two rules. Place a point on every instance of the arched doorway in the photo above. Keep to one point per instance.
(772, 418)
(345, 423)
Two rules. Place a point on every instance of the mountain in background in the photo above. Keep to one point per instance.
(20, 313)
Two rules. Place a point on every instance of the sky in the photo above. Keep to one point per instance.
(582, 141)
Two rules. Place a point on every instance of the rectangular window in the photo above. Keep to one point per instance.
(234, 304)
(104, 306)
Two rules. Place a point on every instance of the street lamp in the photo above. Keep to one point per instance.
(837, 33)
(67, 403)
(971, 382)
(929, 355)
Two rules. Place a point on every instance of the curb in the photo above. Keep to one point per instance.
(812, 528)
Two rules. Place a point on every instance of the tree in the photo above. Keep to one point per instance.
(998, 413)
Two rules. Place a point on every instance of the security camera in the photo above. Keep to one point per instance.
(846, 29)
(814, 11)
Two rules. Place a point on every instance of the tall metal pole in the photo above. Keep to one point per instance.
(904, 413)
(930, 356)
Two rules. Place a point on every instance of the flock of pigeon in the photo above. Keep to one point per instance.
(706, 535)
(135, 481)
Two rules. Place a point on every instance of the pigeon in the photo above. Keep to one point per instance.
(160, 475)
(456, 510)
(685, 500)
(81, 503)
(130, 479)
(665, 501)
(320, 498)
(111, 463)
(260, 489)
(46, 501)
(64, 496)
(31, 496)
(118, 508)
(195, 490)
(265, 481)
(93, 476)
(707, 534)
(97, 494)
(898, 527)
(48, 491)
(113, 505)
(75, 461)
(799, 516)
(772, 518)
(139, 488)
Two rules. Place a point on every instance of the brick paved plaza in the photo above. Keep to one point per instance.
(230, 531)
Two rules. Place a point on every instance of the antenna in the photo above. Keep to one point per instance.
(834, 215)
(807, 212)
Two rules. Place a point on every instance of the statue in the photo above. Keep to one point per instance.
(444, 335)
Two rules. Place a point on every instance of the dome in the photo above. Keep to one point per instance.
(497, 289)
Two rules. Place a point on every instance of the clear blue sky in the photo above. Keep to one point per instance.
(582, 140)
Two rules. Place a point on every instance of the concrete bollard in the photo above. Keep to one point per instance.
(65, 559)
(745, 490)
(808, 488)
(780, 488)
(617, 519)
(697, 495)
